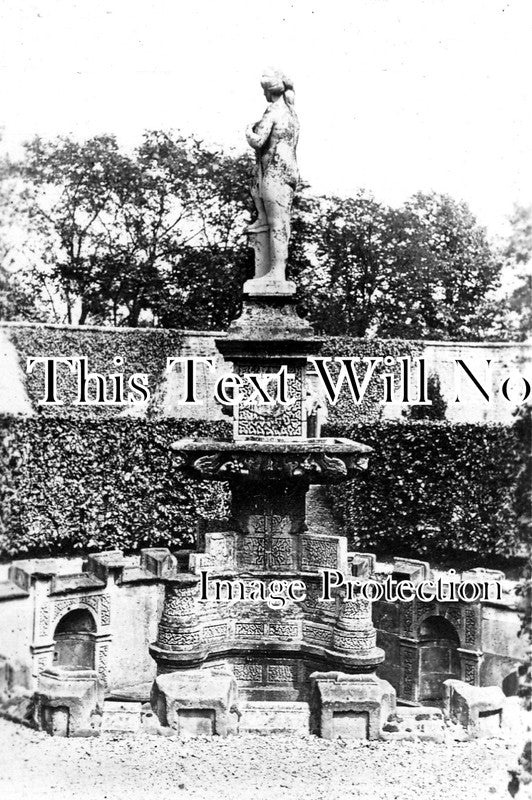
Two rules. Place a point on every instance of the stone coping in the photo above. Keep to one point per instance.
(274, 445)
(10, 591)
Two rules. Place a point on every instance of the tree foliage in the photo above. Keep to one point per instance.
(16, 294)
(517, 253)
(157, 236)
(124, 229)
(423, 270)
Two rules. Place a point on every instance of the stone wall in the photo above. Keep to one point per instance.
(125, 597)
(487, 649)
(122, 595)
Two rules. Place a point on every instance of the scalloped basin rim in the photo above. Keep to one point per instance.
(274, 445)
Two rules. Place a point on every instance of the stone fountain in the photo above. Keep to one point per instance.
(215, 655)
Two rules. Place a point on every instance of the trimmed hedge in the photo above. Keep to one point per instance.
(142, 350)
(75, 485)
(346, 412)
(433, 488)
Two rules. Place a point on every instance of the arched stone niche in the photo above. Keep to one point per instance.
(439, 657)
(74, 640)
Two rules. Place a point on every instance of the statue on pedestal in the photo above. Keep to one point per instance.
(274, 139)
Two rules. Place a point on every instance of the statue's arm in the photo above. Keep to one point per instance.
(258, 134)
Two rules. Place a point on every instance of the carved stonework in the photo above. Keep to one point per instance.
(215, 632)
(356, 614)
(470, 673)
(281, 554)
(179, 602)
(353, 641)
(102, 663)
(42, 663)
(179, 640)
(249, 630)
(312, 602)
(319, 636)
(318, 553)
(334, 461)
(470, 628)
(272, 511)
(281, 673)
(275, 456)
(44, 620)
(408, 658)
(284, 631)
(252, 551)
(61, 607)
(251, 673)
(407, 610)
(356, 609)
(271, 420)
(105, 609)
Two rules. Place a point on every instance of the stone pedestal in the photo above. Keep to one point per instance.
(198, 702)
(477, 709)
(69, 702)
(269, 287)
(350, 706)
(272, 643)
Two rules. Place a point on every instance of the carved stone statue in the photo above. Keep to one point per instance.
(274, 139)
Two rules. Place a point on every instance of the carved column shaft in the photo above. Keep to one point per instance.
(179, 628)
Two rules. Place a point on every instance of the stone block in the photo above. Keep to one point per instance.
(69, 702)
(415, 723)
(361, 565)
(350, 706)
(477, 708)
(197, 702)
(275, 717)
(158, 560)
(120, 716)
(411, 569)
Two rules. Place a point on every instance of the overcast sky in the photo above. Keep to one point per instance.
(393, 95)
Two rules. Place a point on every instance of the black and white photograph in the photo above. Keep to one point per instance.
(265, 400)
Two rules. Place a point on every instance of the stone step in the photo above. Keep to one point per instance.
(275, 716)
(131, 692)
(418, 723)
(120, 716)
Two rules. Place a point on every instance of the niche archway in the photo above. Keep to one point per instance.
(75, 640)
(438, 657)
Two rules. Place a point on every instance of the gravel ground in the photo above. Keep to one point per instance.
(34, 766)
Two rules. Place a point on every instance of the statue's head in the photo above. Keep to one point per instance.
(276, 83)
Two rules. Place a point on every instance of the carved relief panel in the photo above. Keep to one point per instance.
(267, 420)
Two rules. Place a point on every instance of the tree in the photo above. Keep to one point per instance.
(517, 254)
(119, 224)
(69, 204)
(348, 239)
(424, 270)
(444, 271)
(18, 298)
(159, 232)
